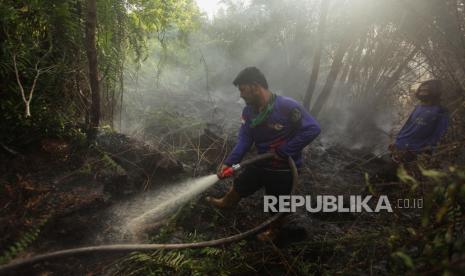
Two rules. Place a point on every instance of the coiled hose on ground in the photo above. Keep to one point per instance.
(121, 248)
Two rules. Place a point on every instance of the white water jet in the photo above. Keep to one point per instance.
(169, 199)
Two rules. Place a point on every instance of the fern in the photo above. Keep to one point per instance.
(212, 251)
(23, 243)
(149, 263)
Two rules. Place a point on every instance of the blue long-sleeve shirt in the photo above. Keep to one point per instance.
(286, 130)
(423, 129)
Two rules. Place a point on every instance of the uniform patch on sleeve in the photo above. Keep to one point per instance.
(295, 115)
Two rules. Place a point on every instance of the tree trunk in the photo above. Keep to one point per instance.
(335, 68)
(317, 56)
(91, 48)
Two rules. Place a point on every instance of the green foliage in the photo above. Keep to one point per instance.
(22, 243)
(172, 260)
(172, 131)
(49, 35)
(405, 177)
(110, 163)
(33, 36)
(440, 237)
(204, 261)
(162, 16)
(406, 259)
(223, 260)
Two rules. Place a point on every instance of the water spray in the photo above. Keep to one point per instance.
(182, 194)
(126, 248)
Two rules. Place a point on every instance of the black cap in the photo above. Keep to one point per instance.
(435, 88)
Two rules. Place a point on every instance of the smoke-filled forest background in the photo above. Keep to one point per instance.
(352, 63)
(161, 72)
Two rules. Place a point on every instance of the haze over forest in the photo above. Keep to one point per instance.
(113, 110)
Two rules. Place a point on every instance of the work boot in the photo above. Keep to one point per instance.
(272, 232)
(230, 199)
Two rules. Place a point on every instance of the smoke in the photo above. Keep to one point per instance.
(357, 125)
(278, 37)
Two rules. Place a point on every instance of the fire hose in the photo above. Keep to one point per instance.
(122, 248)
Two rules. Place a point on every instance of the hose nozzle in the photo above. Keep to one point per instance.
(229, 171)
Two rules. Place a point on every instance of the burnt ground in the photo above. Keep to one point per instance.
(64, 195)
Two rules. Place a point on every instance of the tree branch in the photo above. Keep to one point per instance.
(21, 89)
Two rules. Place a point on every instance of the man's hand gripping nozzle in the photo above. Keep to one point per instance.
(229, 171)
(232, 197)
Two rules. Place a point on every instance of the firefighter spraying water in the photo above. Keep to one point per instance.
(273, 124)
(200, 185)
(179, 194)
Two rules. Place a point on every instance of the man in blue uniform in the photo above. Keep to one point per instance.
(272, 123)
(425, 126)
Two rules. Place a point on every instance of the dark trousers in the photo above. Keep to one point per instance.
(252, 178)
